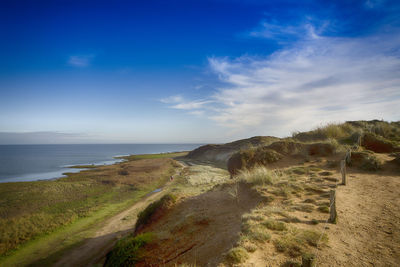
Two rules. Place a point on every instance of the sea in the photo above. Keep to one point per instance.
(20, 163)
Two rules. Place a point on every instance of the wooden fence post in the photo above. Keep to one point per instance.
(348, 156)
(343, 171)
(332, 205)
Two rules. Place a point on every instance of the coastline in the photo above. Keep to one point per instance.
(76, 202)
(21, 163)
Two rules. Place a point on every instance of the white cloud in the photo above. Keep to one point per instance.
(172, 99)
(316, 80)
(80, 61)
(278, 32)
(178, 102)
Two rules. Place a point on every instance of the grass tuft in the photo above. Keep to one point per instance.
(274, 225)
(237, 255)
(145, 215)
(127, 251)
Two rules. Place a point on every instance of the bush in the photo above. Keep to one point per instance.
(323, 209)
(259, 176)
(365, 160)
(296, 243)
(145, 215)
(275, 225)
(123, 172)
(127, 251)
(237, 255)
(252, 157)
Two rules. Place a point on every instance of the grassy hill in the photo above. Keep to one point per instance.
(273, 210)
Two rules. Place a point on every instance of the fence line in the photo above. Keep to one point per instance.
(332, 204)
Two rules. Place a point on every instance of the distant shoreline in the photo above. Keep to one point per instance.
(69, 159)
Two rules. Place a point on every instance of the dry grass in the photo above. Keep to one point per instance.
(237, 255)
(295, 242)
(261, 176)
(32, 209)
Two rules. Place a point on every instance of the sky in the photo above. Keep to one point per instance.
(193, 71)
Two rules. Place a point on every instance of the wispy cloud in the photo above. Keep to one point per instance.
(80, 61)
(314, 80)
(279, 32)
(373, 3)
(178, 102)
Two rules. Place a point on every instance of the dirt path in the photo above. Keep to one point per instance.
(94, 250)
(368, 230)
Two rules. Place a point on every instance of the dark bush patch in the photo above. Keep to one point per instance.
(127, 251)
(145, 215)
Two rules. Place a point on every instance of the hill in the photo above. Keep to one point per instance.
(274, 209)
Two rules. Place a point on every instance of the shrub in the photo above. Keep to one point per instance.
(296, 242)
(237, 255)
(304, 207)
(323, 209)
(259, 176)
(123, 172)
(255, 233)
(127, 250)
(365, 160)
(145, 215)
(252, 157)
(275, 225)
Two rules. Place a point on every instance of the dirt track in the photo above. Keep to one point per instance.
(94, 250)
(368, 229)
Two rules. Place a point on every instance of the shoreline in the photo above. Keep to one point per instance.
(52, 211)
(77, 168)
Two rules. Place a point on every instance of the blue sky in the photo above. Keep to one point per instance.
(193, 71)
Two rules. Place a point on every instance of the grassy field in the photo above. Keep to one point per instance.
(154, 156)
(45, 215)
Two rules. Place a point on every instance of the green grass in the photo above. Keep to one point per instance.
(63, 238)
(154, 156)
(127, 251)
(91, 166)
(145, 215)
(324, 209)
(35, 214)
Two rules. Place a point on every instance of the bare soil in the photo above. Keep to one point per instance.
(199, 230)
(368, 228)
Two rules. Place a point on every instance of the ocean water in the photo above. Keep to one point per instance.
(38, 162)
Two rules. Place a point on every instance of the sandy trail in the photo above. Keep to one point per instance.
(368, 229)
(94, 250)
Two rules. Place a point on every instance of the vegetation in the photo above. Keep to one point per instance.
(237, 255)
(274, 225)
(365, 160)
(127, 251)
(259, 176)
(154, 156)
(145, 215)
(295, 242)
(33, 210)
